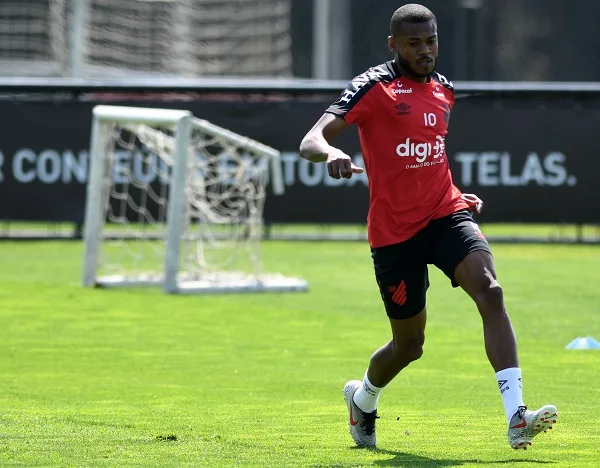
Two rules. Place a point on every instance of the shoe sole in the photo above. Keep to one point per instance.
(547, 417)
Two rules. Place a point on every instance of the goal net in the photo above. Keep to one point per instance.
(104, 38)
(177, 201)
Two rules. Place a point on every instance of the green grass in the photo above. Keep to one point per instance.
(543, 231)
(137, 378)
(558, 231)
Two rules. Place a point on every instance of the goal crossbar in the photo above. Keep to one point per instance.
(170, 117)
(140, 115)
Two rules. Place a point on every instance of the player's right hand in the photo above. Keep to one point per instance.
(339, 165)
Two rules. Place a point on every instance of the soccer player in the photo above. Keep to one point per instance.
(417, 217)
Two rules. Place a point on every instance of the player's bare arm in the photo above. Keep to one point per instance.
(315, 147)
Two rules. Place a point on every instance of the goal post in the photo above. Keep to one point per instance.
(177, 202)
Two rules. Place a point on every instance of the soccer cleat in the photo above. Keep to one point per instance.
(525, 425)
(361, 424)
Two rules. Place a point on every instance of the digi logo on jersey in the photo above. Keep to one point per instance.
(422, 151)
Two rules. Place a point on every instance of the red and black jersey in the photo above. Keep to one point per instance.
(402, 127)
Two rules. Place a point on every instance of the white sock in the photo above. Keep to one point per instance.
(367, 396)
(511, 390)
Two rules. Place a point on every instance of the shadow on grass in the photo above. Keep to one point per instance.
(410, 460)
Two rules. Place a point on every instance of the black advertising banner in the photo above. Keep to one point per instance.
(44, 160)
(529, 162)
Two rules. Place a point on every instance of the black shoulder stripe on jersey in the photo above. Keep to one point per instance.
(441, 79)
(360, 85)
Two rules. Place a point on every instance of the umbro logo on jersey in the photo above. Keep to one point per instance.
(403, 109)
(439, 95)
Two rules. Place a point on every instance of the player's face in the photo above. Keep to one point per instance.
(415, 47)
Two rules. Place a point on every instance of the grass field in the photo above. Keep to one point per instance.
(137, 378)
(552, 232)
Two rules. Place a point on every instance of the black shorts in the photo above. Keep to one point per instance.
(401, 269)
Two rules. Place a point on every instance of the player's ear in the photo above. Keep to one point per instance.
(391, 44)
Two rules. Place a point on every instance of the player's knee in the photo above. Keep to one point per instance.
(415, 351)
(491, 295)
(410, 349)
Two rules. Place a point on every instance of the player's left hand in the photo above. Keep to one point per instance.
(475, 203)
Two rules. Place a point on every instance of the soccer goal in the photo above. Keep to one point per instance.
(177, 202)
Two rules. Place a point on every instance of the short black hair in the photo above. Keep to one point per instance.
(410, 13)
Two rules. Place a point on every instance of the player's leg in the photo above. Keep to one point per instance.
(362, 398)
(464, 255)
(406, 346)
(401, 272)
(476, 275)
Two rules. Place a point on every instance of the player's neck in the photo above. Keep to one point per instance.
(416, 79)
(411, 76)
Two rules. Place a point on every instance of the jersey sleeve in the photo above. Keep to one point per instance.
(352, 105)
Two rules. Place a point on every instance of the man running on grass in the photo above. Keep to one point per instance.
(417, 217)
